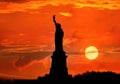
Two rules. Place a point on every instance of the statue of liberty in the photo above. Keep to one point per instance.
(58, 36)
(58, 70)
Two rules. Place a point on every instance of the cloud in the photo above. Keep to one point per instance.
(75, 53)
(8, 7)
(15, 1)
(11, 76)
(107, 4)
(21, 59)
(65, 14)
(26, 58)
(2, 47)
(91, 2)
(72, 39)
(117, 51)
(25, 54)
(26, 5)
(90, 52)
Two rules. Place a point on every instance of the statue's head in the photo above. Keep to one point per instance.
(58, 25)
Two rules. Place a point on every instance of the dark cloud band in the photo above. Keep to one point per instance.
(15, 1)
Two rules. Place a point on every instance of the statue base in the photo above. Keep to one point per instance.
(58, 68)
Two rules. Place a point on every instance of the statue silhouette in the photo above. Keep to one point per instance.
(58, 68)
(58, 36)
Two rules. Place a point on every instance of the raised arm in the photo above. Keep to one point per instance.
(54, 19)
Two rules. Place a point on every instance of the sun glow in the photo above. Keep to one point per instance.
(91, 53)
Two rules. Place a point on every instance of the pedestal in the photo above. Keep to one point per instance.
(58, 68)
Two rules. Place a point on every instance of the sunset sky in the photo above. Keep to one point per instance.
(27, 35)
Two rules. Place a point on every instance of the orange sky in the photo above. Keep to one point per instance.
(27, 35)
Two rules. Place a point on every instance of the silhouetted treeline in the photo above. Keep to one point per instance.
(97, 76)
(85, 77)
